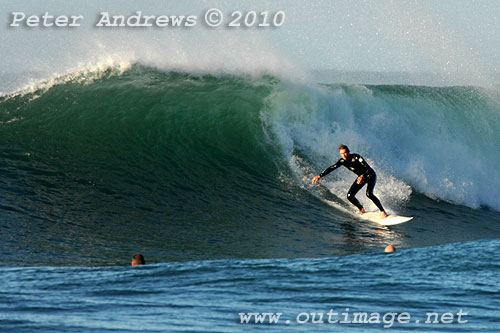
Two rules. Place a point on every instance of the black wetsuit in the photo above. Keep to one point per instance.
(358, 165)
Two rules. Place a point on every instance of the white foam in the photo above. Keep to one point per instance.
(411, 142)
(217, 52)
(37, 84)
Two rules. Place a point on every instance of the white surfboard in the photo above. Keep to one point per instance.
(389, 220)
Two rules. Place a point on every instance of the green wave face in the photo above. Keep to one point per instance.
(140, 136)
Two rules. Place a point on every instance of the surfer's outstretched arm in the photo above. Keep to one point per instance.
(328, 170)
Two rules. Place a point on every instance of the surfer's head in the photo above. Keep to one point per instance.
(138, 260)
(343, 151)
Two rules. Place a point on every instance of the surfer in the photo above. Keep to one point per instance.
(366, 175)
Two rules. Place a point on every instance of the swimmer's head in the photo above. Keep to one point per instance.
(389, 248)
(138, 260)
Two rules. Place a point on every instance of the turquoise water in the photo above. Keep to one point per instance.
(210, 178)
(208, 296)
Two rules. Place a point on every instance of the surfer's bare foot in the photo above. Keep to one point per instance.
(383, 214)
(361, 211)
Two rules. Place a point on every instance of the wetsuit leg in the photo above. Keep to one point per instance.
(371, 180)
(351, 195)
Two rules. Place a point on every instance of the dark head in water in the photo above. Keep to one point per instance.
(138, 260)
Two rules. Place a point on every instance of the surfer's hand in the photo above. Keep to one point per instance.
(315, 179)
(360, 179)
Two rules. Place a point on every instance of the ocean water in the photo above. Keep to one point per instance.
(209, 177)
(447, 288)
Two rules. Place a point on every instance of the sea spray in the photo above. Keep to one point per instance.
(440, 141)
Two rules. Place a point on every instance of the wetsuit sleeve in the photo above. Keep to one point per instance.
(331, 168)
